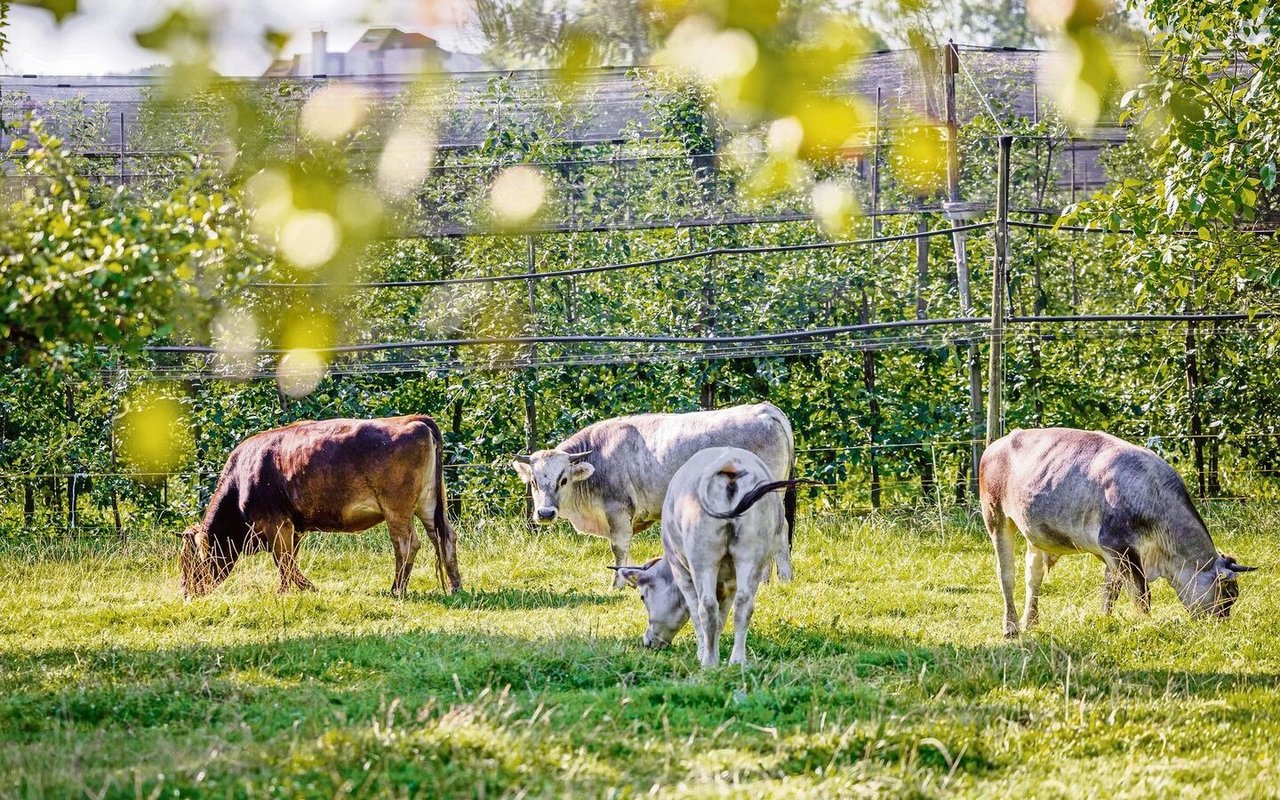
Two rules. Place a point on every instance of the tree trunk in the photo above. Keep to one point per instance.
(115, 516)
(928, 481)
(455, 430)
(962, 478)
(873, 403)
(28, 501)
(1215, 477)
(1193, 408)
(55, 499)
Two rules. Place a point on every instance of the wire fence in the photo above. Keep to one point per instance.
(177, 495)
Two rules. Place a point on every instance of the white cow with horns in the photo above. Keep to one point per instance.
(610, 478)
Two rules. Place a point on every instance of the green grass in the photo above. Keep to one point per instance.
(879, 672)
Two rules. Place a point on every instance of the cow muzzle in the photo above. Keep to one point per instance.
(544, 516)
(655, 642)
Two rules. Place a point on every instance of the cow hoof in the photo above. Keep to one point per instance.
(1011, 631)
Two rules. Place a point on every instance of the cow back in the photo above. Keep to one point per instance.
(635, 457)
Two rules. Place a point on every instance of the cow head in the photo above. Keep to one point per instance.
(662, 599)
(204, 564)
(548, 473)
(1215, 588)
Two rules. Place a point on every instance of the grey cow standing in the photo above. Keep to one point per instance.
(610, 478)
(1072, 491)
(722, 524)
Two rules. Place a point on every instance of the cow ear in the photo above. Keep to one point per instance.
(631, 575)
(523, 470)
(580, 472)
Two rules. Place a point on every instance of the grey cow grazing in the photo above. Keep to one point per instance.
(722, 523)
(1072, 491)
(610, 478)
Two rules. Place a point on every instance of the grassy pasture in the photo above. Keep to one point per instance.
(879, 672)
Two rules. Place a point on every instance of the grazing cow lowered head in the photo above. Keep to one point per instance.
(202, 569)
(722, 523)
(1073, 491)
(667, 609)
(550, 475)
(610, 478)
(1213, 589)
(332, 475)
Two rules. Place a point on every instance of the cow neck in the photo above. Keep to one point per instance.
(1179, 554)
(223, 515)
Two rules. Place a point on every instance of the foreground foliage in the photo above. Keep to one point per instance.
(879, 671)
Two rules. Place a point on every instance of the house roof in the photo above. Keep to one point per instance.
(390, 38)
(282, 67)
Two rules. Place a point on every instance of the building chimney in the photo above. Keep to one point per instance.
(319, 52)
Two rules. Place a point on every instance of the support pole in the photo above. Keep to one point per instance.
(707, 392)
(922, 267)
(122, 148)
(531, 374)
(864, 317)
(951, 67)
(995, 377)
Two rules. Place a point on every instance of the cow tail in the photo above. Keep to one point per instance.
(789, 505)
(440, 517)
(751, 498)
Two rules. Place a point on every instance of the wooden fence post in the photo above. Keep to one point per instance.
(995, 376)
(951, 67)
(864, 317)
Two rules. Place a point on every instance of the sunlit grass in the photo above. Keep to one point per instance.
(879, 672)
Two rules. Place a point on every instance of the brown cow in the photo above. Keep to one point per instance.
(333, 475)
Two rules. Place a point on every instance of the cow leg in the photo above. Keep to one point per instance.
(749, 575)
(1002, 532)
(1124, 567)
(705, 580)
(620, 542)
(300, 581)
(284, 549)
(684, 582)
(1111, 584)
(1136, 577)
(783, 561)
(446, 547)
(1037, 566)
(405, 543)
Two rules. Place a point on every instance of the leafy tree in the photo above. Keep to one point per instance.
(76, 271)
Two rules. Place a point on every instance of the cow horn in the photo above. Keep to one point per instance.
(1234, 567)
(522, 458)
(577, 458)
